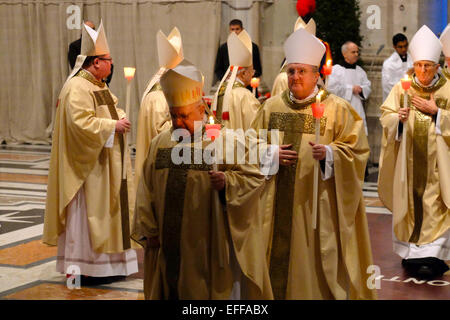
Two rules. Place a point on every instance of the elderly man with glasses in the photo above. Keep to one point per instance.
(89, 201)
(326, 257)
(414, 178)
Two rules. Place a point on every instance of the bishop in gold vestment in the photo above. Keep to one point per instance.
(414, 179)
(176, 220)
(235, 106)
(329, 262)
(89, 205)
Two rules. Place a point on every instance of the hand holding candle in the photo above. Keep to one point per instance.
(129, 75)
(317, 109)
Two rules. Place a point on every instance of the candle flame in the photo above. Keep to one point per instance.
(254, 82)
(211, 120)
(406, 78)
(329, 62)
(129, 72)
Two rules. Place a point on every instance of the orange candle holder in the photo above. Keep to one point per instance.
(406, 83)
(327, 68)
(212, 129)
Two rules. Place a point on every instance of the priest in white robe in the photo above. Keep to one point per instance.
(350, 81)
(397, 65)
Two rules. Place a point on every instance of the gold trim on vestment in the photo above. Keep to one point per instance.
(293, 125)
(220, 96)
(89, 77)
(103, 97)
(445, 72)
(156, 87)
(422, 123)
(294, 105)
(425, 92)
(173, 211)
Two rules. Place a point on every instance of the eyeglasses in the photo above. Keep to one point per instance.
(108, 59)
(301, 72)
(427, 66)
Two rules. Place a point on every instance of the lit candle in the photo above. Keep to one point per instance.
(254, 83)
(129, 75)
(317, 109)
(406, 84)
(213, 132)
(327, 68)
(326, 71)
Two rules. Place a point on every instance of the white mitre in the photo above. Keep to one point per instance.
(302, 47)
(240, 53)
(170, 54)
(425, 46)
(445, 41)
(93, 43)
(310, 26)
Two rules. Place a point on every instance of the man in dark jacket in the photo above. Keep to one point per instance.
(222, 60)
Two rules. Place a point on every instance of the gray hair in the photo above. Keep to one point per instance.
(344, 47)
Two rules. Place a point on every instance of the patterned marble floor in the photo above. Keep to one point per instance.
(27, 267)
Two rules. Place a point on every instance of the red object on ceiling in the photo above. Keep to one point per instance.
(305, 7)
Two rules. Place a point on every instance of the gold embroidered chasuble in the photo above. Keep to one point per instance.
(445, 72)
(421, 204)
(331, 261)
(174, 203)
(85, 118)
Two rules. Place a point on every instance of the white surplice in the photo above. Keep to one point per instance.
(341, 83)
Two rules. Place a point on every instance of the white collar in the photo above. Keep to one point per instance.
(435, 79)
(315, 91)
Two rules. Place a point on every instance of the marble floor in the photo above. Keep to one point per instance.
(27, 266)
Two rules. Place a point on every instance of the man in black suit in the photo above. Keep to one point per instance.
(222, 60)
(75, 49)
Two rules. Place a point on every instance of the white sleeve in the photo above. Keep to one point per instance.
(329, 164)
(387, 79)
(337, 86)
(438, 123)
(110, 142)
(365, 84)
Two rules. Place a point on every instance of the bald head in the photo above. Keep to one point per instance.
(350, 51)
